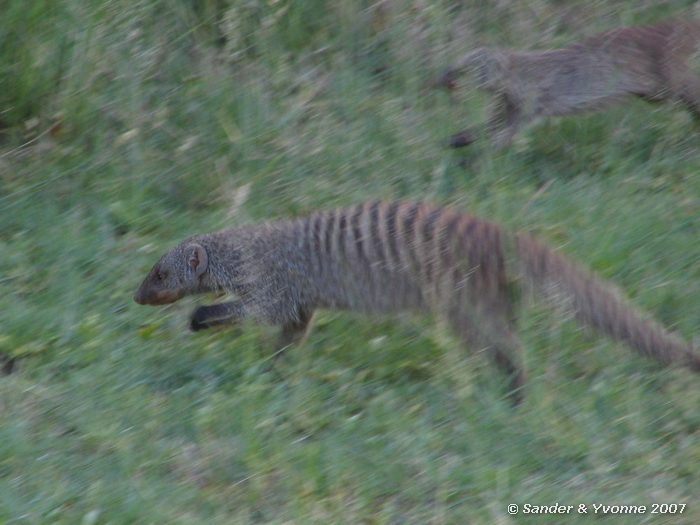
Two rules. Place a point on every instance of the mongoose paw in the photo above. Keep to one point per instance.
(198, 320)
(462, 139)
(7, 364)
(448, 80)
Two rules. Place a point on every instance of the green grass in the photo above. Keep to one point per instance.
(128, 125)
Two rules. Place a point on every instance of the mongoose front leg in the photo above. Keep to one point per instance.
(294, 332)
(216, 315)
(505, 120)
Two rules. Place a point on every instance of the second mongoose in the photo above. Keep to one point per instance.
(652, 62)
(384, 257)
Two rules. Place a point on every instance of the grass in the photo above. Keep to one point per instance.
(128, 125)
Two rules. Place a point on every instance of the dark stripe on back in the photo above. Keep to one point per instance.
(392, 233)
(447, 239)
(342, 234)
(428, 231)
(375, 236)
(408, 225)
(317, 224)
(308, 237)
(329, 224)
(470, 225)
(357, 233)
(445, 256)
(464, 261)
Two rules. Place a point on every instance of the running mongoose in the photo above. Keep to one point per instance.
(384, 257)
(653, 62)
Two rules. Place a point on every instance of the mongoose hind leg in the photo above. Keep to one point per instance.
(216, 315)
(496, 334)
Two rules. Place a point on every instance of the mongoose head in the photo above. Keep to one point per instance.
(178, 273)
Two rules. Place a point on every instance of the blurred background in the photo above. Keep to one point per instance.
(127, 125)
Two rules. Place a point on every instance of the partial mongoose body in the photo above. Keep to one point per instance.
(384, 257)
(654, 62)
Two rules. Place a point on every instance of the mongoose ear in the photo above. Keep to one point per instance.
(197, 258)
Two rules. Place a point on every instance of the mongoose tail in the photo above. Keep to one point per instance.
(598, 305)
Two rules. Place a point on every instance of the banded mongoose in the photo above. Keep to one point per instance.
(655, 62)
(383, 257)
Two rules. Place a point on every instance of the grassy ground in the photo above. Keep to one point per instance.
(128, 125)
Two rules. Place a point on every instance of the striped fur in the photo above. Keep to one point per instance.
(383, 257)
(653, 62)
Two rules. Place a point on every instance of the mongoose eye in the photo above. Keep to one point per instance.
(161, 275)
